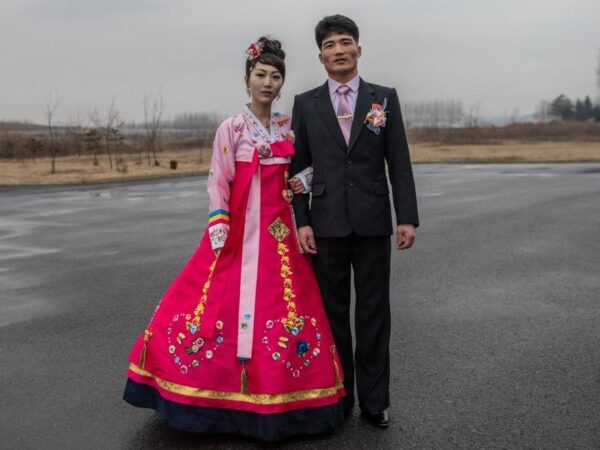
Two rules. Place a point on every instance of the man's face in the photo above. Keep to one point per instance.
(339, 54)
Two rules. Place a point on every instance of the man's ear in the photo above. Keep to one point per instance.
(321, 57)
(359, 51)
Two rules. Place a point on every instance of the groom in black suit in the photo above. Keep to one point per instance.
(347, 130)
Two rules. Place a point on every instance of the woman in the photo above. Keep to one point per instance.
(240, 342)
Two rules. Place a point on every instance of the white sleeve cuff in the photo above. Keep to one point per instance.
(306, 177)
(218, 235)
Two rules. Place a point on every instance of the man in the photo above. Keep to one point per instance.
(347, 130)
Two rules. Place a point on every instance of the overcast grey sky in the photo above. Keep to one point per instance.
(505, 54)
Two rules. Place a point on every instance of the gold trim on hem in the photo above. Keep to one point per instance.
(257, 399)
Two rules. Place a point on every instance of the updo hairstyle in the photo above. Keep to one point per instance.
(271, 54)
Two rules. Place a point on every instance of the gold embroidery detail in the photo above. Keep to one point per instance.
(288, 194)
(257, 399)
(279, 230)
(292, 323)
(201, 304)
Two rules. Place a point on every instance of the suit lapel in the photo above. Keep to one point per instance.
(366, 96)
(325, 108)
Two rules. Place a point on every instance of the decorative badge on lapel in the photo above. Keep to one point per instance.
(376, 117)
(264, 151)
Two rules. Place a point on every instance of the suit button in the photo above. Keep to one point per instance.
(350, 183)
(349, 161)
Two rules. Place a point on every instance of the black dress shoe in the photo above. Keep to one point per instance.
(379, 419)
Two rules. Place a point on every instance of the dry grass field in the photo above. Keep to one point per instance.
(507, 152)
(567, 141)
(81, 170)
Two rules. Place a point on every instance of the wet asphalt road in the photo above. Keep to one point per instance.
(496, 314)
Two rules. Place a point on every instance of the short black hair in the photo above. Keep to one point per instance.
(272, 54)
(335, 24)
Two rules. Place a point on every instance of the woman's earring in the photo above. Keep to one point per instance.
(278, 97)
(248, 92)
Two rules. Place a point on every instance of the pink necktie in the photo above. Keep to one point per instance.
(344, 112)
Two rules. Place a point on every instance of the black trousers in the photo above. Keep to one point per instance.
(369, 258)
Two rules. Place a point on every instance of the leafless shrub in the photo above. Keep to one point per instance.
(109, 126)
(153, 110)
(51, 105)
(433, 114)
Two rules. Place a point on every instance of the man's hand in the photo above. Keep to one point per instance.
(307, 240)
(405, 236)
(297, 185)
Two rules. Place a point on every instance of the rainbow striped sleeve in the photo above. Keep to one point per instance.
(218, 216)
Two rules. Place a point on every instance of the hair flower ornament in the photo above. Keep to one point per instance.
(376, 117)
(253, 51)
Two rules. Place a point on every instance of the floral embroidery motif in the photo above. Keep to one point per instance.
(288, 194)
(196, 346)
(218, 235)
(238, 127)
(283, 121)
(294, 353)
(376, 117)
(225, 149)
(279, 230)
(264, 151)
(302, 347)
(295, 350)
(259, 129)
(290, 136)
(195, 349)
(292, 323)
(202, 303)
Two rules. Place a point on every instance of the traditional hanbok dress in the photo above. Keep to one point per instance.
(240, 342)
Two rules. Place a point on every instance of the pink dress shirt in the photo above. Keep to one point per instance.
(351, 95)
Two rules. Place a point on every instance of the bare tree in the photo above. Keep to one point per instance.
(472, 118)
(75, 132)
(118, 138)
(50, 111)
(153, 109)
(106, 126)
(34, 146)
(598, 75)
(92, 143)
(433, 114)
(514, 116)
(543, 111)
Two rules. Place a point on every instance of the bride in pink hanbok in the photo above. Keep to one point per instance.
(240, 342)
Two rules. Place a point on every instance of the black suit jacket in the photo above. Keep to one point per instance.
(350, 189)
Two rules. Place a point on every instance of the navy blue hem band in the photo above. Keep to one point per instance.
(266, 427)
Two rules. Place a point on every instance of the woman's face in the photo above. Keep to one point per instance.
(264, 83)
